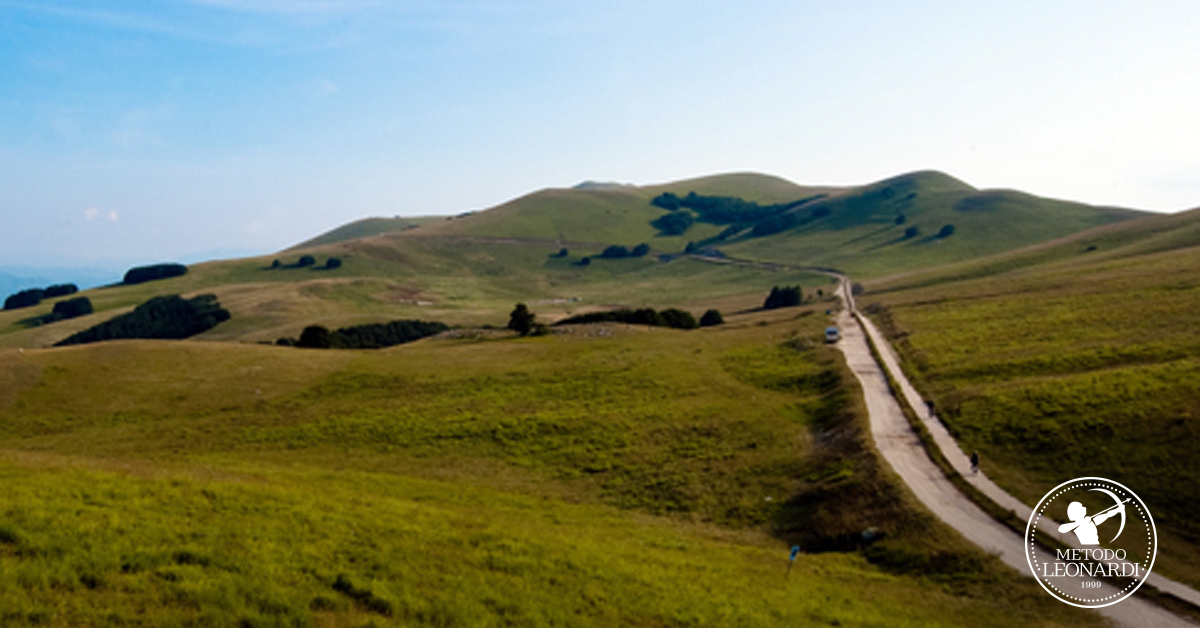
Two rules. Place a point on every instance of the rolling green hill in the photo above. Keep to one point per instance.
(1073, 358)
(602, 475)
(470, 269)
(366, 228)
(632, 477)
(861, 237)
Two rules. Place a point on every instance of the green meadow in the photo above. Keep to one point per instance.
(600, 476)
(1070, 360)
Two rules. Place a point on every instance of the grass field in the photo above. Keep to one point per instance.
(1071, 360)
(611, 475)
(457, 280)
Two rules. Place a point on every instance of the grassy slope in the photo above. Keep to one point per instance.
(861, 238)
(1071, 359)
(471, 269)
(576, 479)
(365, 228)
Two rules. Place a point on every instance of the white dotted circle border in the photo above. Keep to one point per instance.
(1143, 512)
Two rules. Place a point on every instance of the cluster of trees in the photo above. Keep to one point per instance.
(166, 317)
(34, 296)
(617, 251)
(673, 317)
(308, 261)
(739, 213)
(674, 223)
(787, 296)
(371, 336)
(71, 308)
(945, 232)
(142, 274)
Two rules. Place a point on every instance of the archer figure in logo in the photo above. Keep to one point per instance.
(1085, 526)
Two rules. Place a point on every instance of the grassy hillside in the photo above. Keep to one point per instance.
(471, 269)
(1070, 359)
(459, 281)
(861, 236)
(366, 228)
(631, 477)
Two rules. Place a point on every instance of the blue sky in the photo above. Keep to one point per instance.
(144, 131)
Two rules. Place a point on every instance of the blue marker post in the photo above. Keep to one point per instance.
(792, 559)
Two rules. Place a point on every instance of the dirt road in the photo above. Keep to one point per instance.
(903, 450)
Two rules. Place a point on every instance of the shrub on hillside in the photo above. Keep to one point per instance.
(72, 308)
(315, 337)
(615, 251)
(370, 336)
(585, 261)
(911, 232)
(61, 290)
(333, 263)
(666, 200)
(900, 219)
(678, 319)
(142, 274)
(166, 317)
(946, 231)
(675, 318)
(306, 261)
(712, 318)
(640, 250)
(24, 298)
(674, 223)
(561, 253)
(787, 296)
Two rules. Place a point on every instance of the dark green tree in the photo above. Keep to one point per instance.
(666, 200)
(711, 318)
(946, 231)
(315, 337)
(900, 219)
(674, 223)
(306, 260)
(521, 320)
(616, 251)
(640, 250)
(911, 232)
(562, 252)
(276, 264)
(61, 290)
(585, 261)
(333, 263)
(71, 308)
(787, 296)
(678, 319)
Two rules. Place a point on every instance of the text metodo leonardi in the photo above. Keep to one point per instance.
(1073, 563)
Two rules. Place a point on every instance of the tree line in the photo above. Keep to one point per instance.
(739, 213)
(164, 317)
(154, 272)
(308, 261)
(370, 336)
(34, 296)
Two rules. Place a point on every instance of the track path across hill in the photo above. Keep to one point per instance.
(903, 450)
(906, 454)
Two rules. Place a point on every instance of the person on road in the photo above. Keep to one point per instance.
(974, 462)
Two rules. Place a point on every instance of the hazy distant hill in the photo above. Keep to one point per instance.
(470, 268)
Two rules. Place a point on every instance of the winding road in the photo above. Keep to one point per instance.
(905, 453)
